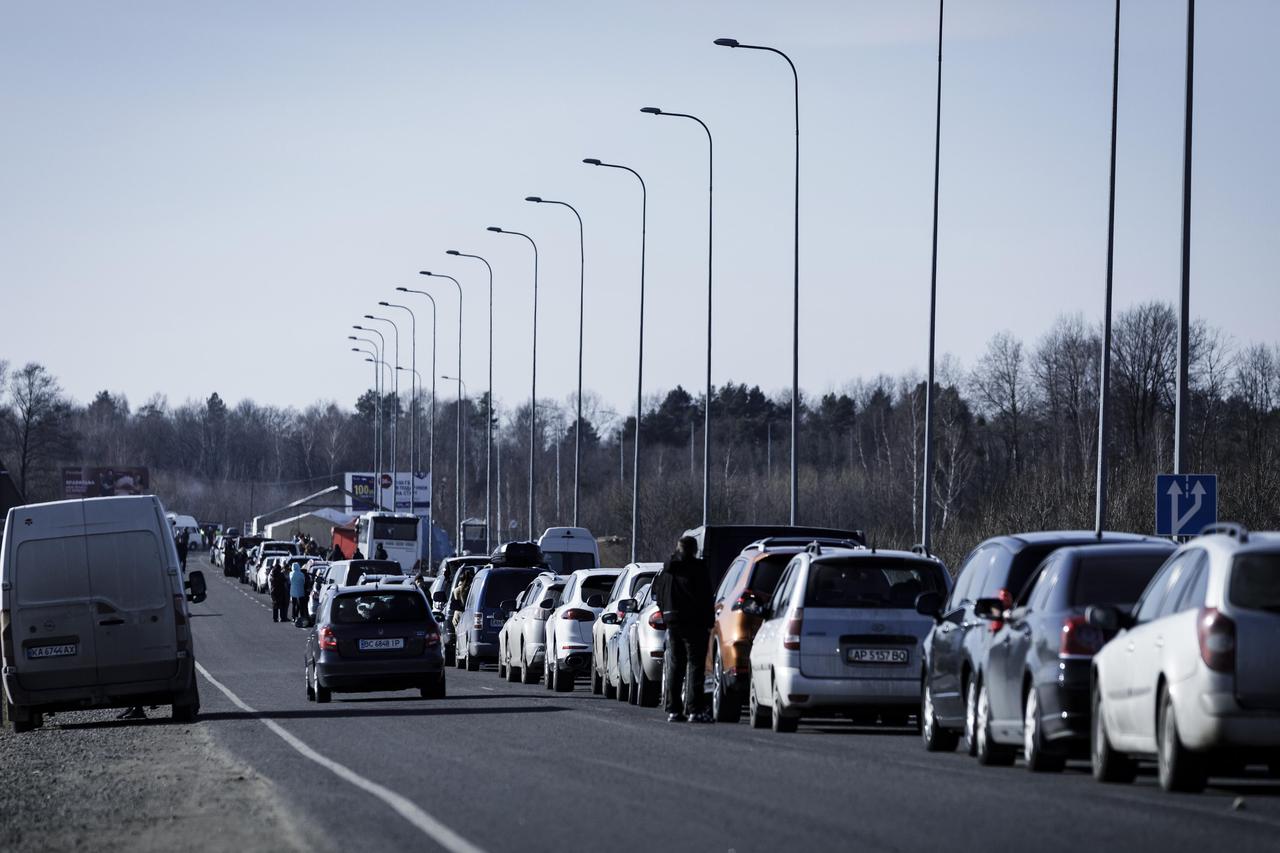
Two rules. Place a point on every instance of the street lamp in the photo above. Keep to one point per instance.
(377, 382)
(413, 397)
(382, 349)
(635, 465)
(795, 296)
(706, 415)
(533, 388)
(1104, 363)
(431, 432)
(395, 412)
(577, 430)
(457, 486)
(488, 413)
(926, 487)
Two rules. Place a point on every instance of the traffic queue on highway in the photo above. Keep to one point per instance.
(1050, 646)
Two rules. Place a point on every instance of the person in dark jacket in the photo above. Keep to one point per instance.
(336, 554)
(683, 592)
(182, 543)
(278, 583)
(380, 553)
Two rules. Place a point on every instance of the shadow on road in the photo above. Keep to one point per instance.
(356, 713)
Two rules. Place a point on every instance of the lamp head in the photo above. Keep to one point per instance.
(403, 289)
(352, 338)
(424, 272)
(653, 111)
(370, 317)
(494, 228)
(453, 252)
(385, 304)
(533, 198)
(591, 161)
(727, 42)
(359, 328)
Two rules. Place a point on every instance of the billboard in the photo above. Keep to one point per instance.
(91, 482)
(412, 492)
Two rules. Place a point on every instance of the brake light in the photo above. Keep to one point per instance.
(656, 622)
(577, 614)
(478, 621)
(1079, 638)
(433, 639)
(1217, 640)
(791, 640)
(328, 641)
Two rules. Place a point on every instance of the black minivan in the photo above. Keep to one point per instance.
(483, 616)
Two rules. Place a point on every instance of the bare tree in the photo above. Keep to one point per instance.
(37, 421)
(1001, 384)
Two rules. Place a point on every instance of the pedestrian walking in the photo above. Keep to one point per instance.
(278, 584)
(182, 544)
(297, 590)
(683, 592)
(380, 553)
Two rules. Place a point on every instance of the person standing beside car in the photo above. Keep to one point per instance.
(278, 584)
(297, 589)
(683, 592)
(182, 544)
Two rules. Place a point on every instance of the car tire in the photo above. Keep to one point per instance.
(1108, 765)
(449, 656)
(779, 722)
(306, 677)
(527, 673)
(597, 683)
(186, 705)
(935, 737)
(969, 738)
(987, 751)
(548, 673)
(1039, 758)
(757, 714)
(1178, 768)
(434, 688)
(323, 694)
(610, 689)
(562, 682)
(725, 706)
(502, 667)
(473, 663)
(647, 692)
(513, 673)
(27, 723)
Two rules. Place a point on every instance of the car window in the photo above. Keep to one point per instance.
(765, 574)
(871, 582)
(1255, 582)
(730, 579)
(1181, 578)
(375, 608)
(566, 562)
(596, 585)
(1114, 580)
(1153, 597)
(786, 585)
(641, 580)
(51, 570)
(615, 591)
(1047, 567)
(1042, 588)
(998, 576)
(498, 587)
(1196, 587)
(127, 570)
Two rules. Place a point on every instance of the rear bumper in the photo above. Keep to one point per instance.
(345, 674)
(1066, 706)
(484, 649)
(1215, 720)
(802, 694)
(128, 694)
(577, 661)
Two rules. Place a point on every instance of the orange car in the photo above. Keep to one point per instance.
(755, 570)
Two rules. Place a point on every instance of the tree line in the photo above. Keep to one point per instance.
(1016, 439)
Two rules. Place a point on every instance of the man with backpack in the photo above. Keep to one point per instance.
(683, 592)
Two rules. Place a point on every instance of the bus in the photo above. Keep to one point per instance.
(396, 532)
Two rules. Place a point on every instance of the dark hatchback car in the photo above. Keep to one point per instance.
(483, 616)
(1037, 674)
(374, 637)
(956, 649)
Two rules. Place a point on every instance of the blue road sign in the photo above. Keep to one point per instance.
(1185, 503)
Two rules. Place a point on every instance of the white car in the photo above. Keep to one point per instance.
(617, 673)
(646, 650)
(1191, 677)
(568, 627)
(627, 584)
(319, 572)
(522, 640)
(841, 634)
(262, 574)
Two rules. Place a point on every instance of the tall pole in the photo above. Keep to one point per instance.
(488, 414)
(431, 433)
(706, 412)
(1104, 375)
(533, 389)
(377, 410)
(795, 292)
(1181, 412)
(457, 455)
(635, 465)
(413, 410)
(926, 488)
(577, 430)
(382, 463)
(395, 412)
(376, 370)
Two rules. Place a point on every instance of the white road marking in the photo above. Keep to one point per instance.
(490, 689)
(428, 825)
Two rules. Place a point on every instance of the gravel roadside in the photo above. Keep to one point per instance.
(86, 781)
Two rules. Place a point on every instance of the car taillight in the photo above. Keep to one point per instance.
(433, 639)
(328, 641)
(577, 614)
(478, 621)
(656, 622)
(6, 637)
(1217, 640)
(747, 595)
(1080, 638)
(179, 612)
(791, 640)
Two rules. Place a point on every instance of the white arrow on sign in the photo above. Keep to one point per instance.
(1175, 491)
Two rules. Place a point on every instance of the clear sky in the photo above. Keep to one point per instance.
(204, 196)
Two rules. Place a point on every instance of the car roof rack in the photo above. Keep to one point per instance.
(1227, 528)
(803, 542)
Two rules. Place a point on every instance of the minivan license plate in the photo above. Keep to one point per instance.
(59, 651)
(873, 655)
(381, 645)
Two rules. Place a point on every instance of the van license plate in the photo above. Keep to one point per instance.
(873, 655)
(59, 651)
(381, 645)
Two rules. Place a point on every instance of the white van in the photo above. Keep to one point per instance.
(93, 610)
(568, 549)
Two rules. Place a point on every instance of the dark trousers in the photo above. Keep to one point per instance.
(685, 669)
(279, 609)
(295, 607)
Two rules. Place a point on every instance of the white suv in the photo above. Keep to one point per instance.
(1191, 676)
(568, 629)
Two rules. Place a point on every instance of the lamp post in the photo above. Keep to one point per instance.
(577, 429)
(1181, 409)
(488, 412)
(395, 411)
(382, 349)
(533, 388)
(1104, 370)
(635, 465)
(795, 297)
(706, 414)
(377, 381)
(413, 398)
(457, 456)
(431, 432)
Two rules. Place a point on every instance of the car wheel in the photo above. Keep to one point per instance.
(725, 707)
(449, 657)
(562, 682)
(624, 690)
(306, 676)
(548, 673)
(610, 689)
(936, 738)
(1039, 760)
(782, 723)
(970, 739)
(757, 714)
(1108, 765)
(988, 752)
(527, 673)
(21, 726)
(433, 688)
(647, 693)
(597, 683)
(473, 663)
(1179, 768)
(513, 673)
(323, 694)
(502, 665)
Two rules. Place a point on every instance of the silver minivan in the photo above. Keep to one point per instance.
(93, 610)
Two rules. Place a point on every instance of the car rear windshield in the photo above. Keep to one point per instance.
(640, 580)
(1255, 582)
(378, 608)
(765, 575)
(1114, 580)
(597, 585)
(505, 586)
(396, 530)
(872, 582)
(568, 562)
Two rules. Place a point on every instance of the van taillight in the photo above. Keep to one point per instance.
(6, 637)
(656, 622)
(433, 639)
(328, 641)
(1217, 640)
(791, 640)
(478, 621)
(1080, 638)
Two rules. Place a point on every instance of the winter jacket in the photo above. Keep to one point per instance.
(297, 582)
(683, 592)
(278, 583)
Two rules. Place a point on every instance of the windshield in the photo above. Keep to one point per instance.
(1255, 582)
(567, 562)
(378, 608)
(1114, 580)
(597, 585)
(765, 575)
(872, 582)
(396, 530)
(505, 586)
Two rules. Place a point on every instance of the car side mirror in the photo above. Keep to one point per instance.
(546, 604)
(440, 596)
(627, 605)
(437, 615)
(609, 618)
(197, 590)
(1107, 618)
(990, 609)
(929, 604)
(595, 601)
(1017, 614)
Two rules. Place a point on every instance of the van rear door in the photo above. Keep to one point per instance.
(129, 572)
(52, 609)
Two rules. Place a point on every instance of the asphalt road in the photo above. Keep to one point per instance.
(500, 766)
